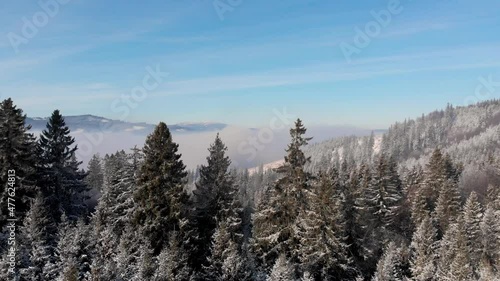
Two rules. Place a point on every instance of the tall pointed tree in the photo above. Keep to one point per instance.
(38, 235)
(322, 232)
(438, 171)
(390, 265)
(95, 177)
(448, 248)
(282, 270)
(472, 219)
(385, 192)
(448, 205)
(363, 245)
(276, 217)
(173, 262)
(160, 188)
(423, 245)
(490, 227)
(17, 153)
(59, 177)
(226, 261)
(461, 267)
(212, 201)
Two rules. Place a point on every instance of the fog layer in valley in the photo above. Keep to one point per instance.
(247, 147)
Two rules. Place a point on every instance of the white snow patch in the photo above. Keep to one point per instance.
(377, 144)
(267, 167)
(135, 128)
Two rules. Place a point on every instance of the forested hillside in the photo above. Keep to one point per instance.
(469, 135)
(397, 207)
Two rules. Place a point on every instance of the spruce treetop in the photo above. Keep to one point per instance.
(296, 157)
(161, 157)
(56, 141)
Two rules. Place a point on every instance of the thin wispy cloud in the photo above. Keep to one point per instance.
(85, 60)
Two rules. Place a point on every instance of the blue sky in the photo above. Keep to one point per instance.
(237, 65)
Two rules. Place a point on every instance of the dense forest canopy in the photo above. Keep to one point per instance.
(420, 202)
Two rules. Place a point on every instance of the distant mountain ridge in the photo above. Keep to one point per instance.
(92, 123)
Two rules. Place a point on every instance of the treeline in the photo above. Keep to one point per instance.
(154, 220)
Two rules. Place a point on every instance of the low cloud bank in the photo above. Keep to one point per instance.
(247, 148)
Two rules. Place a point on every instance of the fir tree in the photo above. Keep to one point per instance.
(65, 250)
(490, 228)
(448, 247)
(423, 245)
(438, 171)
(472, 220)
(383, 199)
(137, 159)
(213, 198)
(460, 268)
(95, 177)
(275, 219)
(420, 207)
(448, 205)
(61, 181)
(17, 153)
(322, 232)
(364, 246)
(115, 240)
(226, 261)
(160, 188)
(385, 193)
(37, 241)
(172, 262)
(282, 270)
(390, 266)
(145, 265)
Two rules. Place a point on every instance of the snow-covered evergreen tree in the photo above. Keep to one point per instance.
(385, 193)
(435, 176)
(447, 250)
(321, 230)
(160, 188)
(282, 270)
(420, 207)
(472, 220)
(461, 268)
(448, 205)
(173, 262)
(17, 153)
(490, 228)
(59, 177)
(37, 241)
(95, 177)
(215, 201)
(226, 261)
(146, 266)
(390, 266)
(423, 245)
(275, 231)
